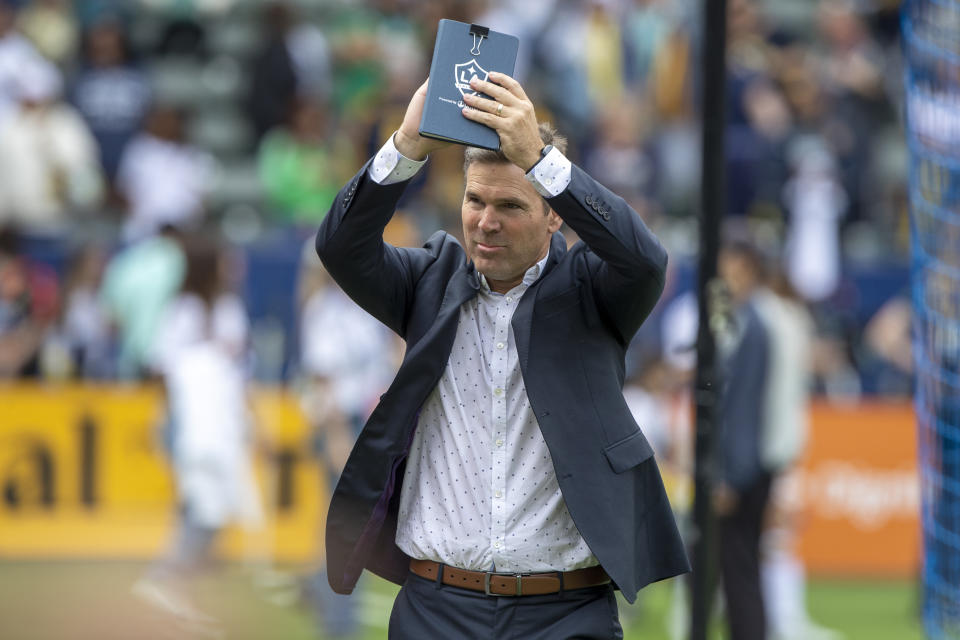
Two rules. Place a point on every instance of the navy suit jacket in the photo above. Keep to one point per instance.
(571, 327)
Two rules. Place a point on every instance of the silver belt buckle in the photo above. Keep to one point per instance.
(486, 584)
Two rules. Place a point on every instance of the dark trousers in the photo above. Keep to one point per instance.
(740, 562)
(427, 609)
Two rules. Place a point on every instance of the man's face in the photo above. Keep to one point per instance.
(738, 274)
(505, 228)
(13, 281)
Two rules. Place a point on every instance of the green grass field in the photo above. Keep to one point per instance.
(90, 601)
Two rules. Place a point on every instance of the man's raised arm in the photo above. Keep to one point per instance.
(350, 242)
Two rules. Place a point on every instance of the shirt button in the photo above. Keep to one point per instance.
(548, 181)
(496, 544)
(500, 345)
(499, 442)
(498, 391)
(497, 494)
(509, 298)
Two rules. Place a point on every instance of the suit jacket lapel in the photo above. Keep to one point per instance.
(429, 354)
(463, 285)
(523, 317)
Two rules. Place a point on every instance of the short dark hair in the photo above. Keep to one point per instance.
(9, 236)
(548, 135)
(748, 252)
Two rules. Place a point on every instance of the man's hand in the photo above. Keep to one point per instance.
(725, 500)
(516, 121)
(408, 140)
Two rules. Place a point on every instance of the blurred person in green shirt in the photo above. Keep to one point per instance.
(302, 164)
(138, 283)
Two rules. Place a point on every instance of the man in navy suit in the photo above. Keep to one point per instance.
(502, 479)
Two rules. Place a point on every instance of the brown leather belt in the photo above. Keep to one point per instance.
(512, 584)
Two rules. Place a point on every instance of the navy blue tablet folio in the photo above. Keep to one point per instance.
(461, 52)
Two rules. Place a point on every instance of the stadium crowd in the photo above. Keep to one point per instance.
(241, 117)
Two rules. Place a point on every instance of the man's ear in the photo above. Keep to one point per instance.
(554, 222)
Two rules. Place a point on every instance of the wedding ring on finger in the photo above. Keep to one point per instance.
(500, 109)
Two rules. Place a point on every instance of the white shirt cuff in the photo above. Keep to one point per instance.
(552, 174)
(390, 166)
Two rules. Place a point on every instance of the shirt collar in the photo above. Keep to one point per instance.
(529, 277)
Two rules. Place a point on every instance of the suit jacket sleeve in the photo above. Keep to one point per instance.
(626, 262)
(378, 276)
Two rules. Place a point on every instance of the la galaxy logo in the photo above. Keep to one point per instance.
(464, 72)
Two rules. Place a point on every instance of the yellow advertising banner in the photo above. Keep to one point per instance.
(84, 473)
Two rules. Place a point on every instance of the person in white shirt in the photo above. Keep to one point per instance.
(347, 359)
(163, 178)
(49, 161)
(200, 352)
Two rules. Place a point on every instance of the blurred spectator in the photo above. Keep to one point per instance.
(295, 60)
(52, 27)
(183, 37)
(138, 284)
(658, 397)
(643, 392)
(526, 20)
(16, 55)
(110, 91)
(564, 69)
(670, 84)
(618, 156)
(85, 325)
(854, 64)
(29, 302)
(380, 51)
(834, 373)
(785, 434)
(582, 49)
(302, 164)
(49, 169)
(743, 489)
(790, 332)
(200, 351)
(816, 202)
(345, 352)
(852, 75)
(360, 47)
(184, 33)
(163, 178)
(647, 27)
(348, 359)
(888, 347)
(759, 120)
(603, 42)
(679, 332)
